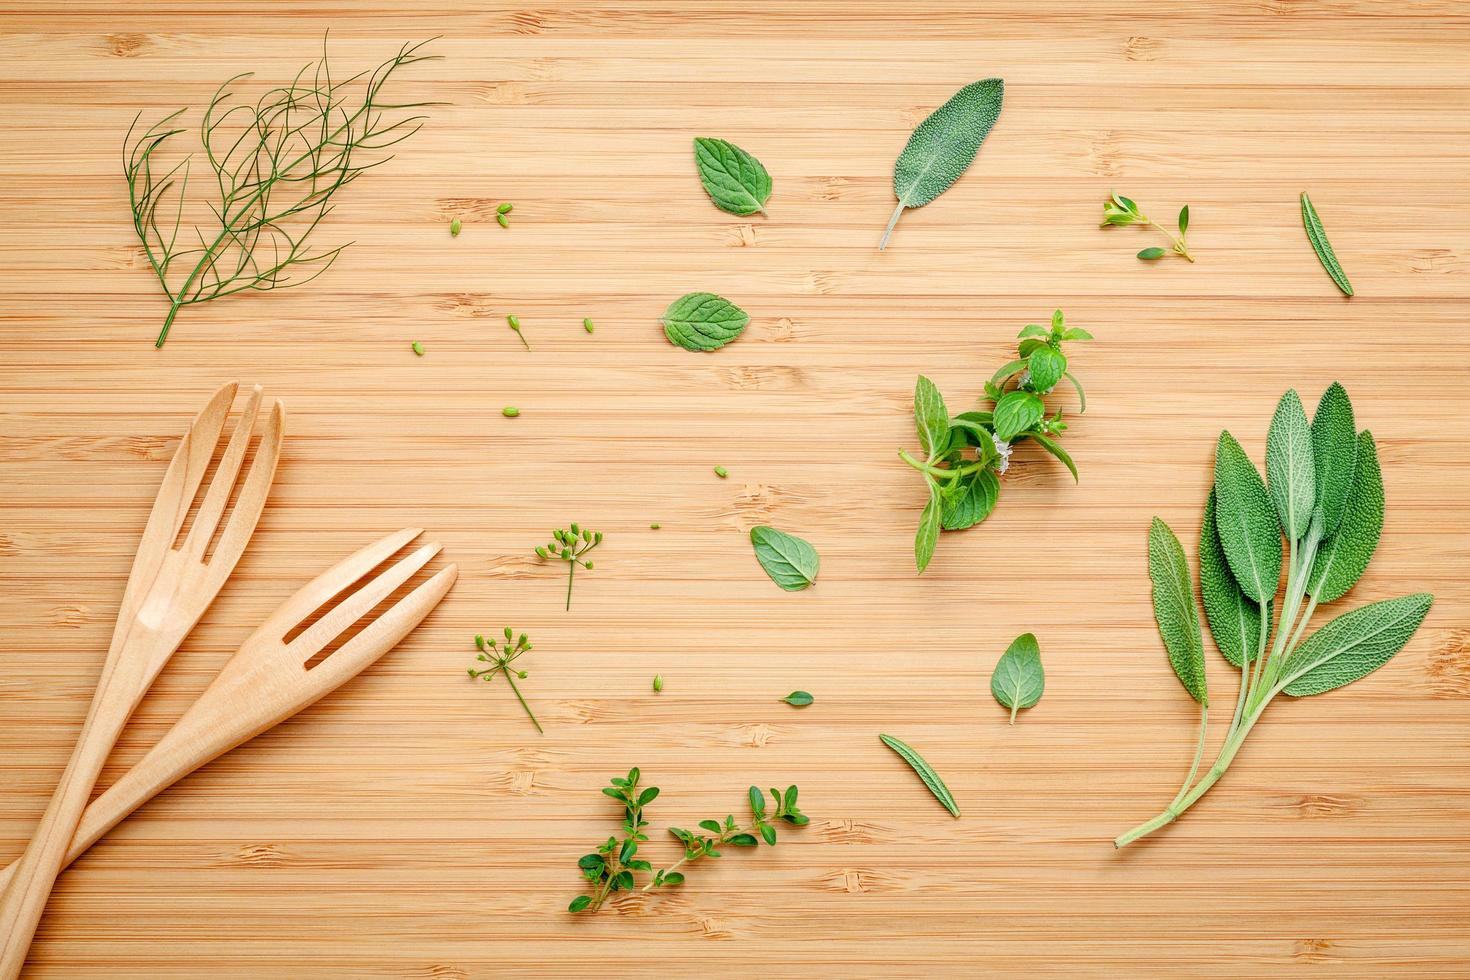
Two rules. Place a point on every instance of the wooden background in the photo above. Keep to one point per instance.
(415, 825)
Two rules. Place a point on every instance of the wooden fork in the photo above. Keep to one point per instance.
(268, 681)
(168, 590)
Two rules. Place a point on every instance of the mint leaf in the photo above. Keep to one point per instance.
(703, 321)
(1016, 412)
(1047, 365)
(974, 504)
(1018, 680)
(931, 417)
(734, 179)
(928, 534)
(789, 561)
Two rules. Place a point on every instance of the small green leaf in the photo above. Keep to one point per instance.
(1318, 237)
(672, 878)
(703, 321)
(740, 840)
(1174, 610)
(790, 562)
(798, 699)
(648, 796)
(1183, 220)
(1005, 373)
(1149, 254)
(981, 490)
(1047, 365)
(1081, 395)
(768, 833)
(579, 903)
(1354, 645)
(1016, 412)
(925, 771)
(1018, 680)
(757, 801)
(614, 793)
(713, 826)
(931, 417)
(1342, 558)
(1051, 446)
(1247, 522)
(928, 534)
(734, 179)
(590, 862)
(1335, 455)
(1235, 621)
(1290, 467)
(790, 799)
(1032, 330)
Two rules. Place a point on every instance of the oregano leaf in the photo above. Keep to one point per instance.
(925, 771)
(1354, 644)
(1335, 455)
(734, 179)
(790, 562)
(943, 146)
(1290, 466)
(1173, 594)
(1247, 522)
(1235, 621)
(1342, 558)
(1018, 679)
(703, 321)
(1016, 412)
(798, 699)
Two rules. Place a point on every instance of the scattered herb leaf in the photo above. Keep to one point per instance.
(703, 321)
(734, 179)
(1121, 211)
(1317, 235)
(1018, 680)
(788, 560)
(926, 772)
(798, 699)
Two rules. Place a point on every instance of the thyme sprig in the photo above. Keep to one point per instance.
(571, 545)
(277, 163)
(500, 659)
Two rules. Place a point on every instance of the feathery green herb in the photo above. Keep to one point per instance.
(571, 546)
(703, 321)
(734, 179)
(277, 164)
(1324, 493)
(500, 659)
(1018, 680)
(789, 561)
(1119, 210)
(1317, 235)
(798, 699)
(926, 772)
(964, 456)
(943, 147)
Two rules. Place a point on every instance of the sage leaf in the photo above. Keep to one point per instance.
(798, 699)
(788, 560)
(703, 321)
(931, 417)
(1335, 455)
(927, 535)
(1174, 610)
(1318, 237)
(1018, 680)
(1291, 466)
(981, 490)
(734, 179)
(1047, 365)
(1354, 644)
(943, 147)
(1051, 446)
(1016, 412)
(926, 772)
(1342, 558)
(1247, 522)
(1235, 621)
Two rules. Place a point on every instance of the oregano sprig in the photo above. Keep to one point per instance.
(717, 834)
(1324, 493)
(500, 657)
(610, 868)
(1119, 210)
(571, 546)
(965, 455)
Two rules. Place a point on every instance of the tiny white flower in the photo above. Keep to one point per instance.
(1003, 449)
(1025, 377)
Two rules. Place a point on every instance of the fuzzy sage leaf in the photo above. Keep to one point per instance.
(1018, 679)
(1174, 610)
(1235, 621)
(703, 321)
(925, 771)
(1247, 521)
(1317, 235)
(1334, 455)
(1291, 466)
(734, 179)
(943, 147)
(1354, 645)
(790, 562)
(1343, 557)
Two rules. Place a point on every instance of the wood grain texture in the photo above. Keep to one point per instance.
(414, 825)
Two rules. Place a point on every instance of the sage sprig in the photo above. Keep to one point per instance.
(1119, 210)
(1324, 493)
(571, 545)
(500, 659)
(964, 456)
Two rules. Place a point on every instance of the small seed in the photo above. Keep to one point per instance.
(501, 219)
(454, 227)
(514, 321)
(658, 682)
(655, 526)
(418, 348)
(587, 325)
(506, 208)
(721, 472)
(510, 411)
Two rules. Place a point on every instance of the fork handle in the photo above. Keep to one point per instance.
(35, 875)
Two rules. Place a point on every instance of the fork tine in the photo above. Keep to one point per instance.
(224, 480)
(361, 602)
(248, 505)
(385, 632)
(186, 471)
(311, 596)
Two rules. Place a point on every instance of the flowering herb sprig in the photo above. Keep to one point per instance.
(1119, 210)
(500, 659)
(571, 546)
(964, 455)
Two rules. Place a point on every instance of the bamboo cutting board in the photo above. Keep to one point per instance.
(415, 825)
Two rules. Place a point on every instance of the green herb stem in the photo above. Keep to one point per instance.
(1178, 241)
(571, 571)
(941, 472)
(522, 700)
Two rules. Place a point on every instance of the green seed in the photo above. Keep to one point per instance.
(501, 219)
(506, 208)
(721, 472)
(510, 411)
(454, 227)
(418, 348)
(658, 682)
(514, 321)
(587, 325)
(655, 526)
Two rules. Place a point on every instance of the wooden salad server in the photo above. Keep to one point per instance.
(168, 589)
(269, 679)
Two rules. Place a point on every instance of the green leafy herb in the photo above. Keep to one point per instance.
(798, 699)
(788, 560)
(1018, 679)
(454, 228)
(1318, 237)
(613, 866)
(500, 659)
(571, 546)
(278, 164)
(514, 322)
(658, 683)
(965, 455)
(587, 324)
(510, 411)
(926, 772)
(418, 348)
(1121, 211)
(943, 147)
(734, 179)
(703, 321)
(1240, 562)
